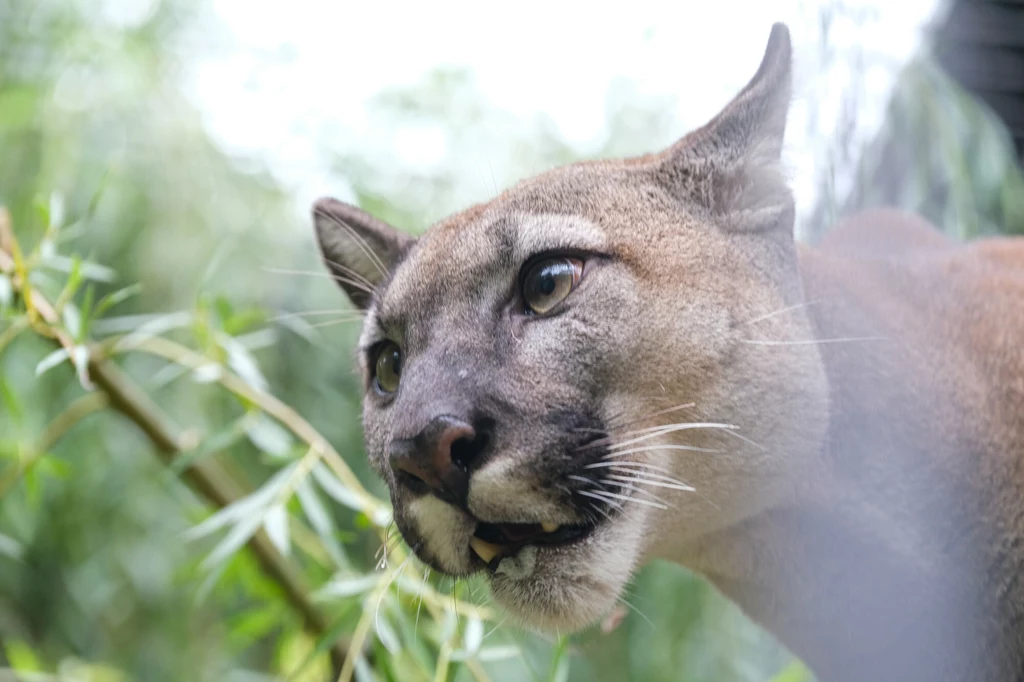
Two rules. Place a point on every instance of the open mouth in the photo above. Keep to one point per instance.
(491, 542)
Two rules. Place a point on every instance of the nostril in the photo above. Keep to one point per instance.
(465, 450)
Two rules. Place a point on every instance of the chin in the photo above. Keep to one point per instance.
(558, 582)
(565, 591)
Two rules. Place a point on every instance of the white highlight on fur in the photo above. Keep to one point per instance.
(520, 566)
(502, 491)
(445, 530)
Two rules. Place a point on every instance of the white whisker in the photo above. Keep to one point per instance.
(779, 312)
(626, 466)
(628, 486)
(380, 600)
(626, 498)
(672, 428)
(635, 610)
(331, 323)
(594, 494)
(419, 604)
(643, 480)
(807, 342)
(330, 275)
(659, 413)
(747, 441)
(598, 509)
(651, 448)
(308, 313)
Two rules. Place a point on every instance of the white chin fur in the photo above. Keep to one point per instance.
(570, 588)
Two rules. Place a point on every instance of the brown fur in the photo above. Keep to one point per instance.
(867, 507)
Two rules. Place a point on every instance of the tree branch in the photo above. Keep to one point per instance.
(206, 477)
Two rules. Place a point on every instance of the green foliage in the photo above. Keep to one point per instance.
(157, 252)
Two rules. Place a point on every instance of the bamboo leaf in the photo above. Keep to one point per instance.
(50, 361)
(275, 522)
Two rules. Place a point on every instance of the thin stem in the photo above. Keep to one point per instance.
(78, 410)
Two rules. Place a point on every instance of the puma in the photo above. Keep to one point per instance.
(620, 361)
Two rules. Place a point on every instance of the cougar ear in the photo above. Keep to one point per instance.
(732, 166)
(358, 249)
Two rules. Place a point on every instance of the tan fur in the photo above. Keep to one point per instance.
(868, 505)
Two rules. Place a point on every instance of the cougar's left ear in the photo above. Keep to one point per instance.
(732, 166)
(358, 249)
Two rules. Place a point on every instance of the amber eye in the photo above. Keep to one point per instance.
(388, 368)
(547, 282)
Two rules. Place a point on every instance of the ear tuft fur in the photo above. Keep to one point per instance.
(732, 165)
(358, 249)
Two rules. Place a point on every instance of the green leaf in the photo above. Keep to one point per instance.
(115, 298)
(215, 443)
(341, 587)
(560, 662)
(11, 548)
(321, 521)
(241, 361)
(275, 522)
(6, 291)
(50, 361)
(21, 656)
(18, 106)
(796, 671)
(269, 436)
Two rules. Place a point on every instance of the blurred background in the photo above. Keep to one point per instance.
(175, 512)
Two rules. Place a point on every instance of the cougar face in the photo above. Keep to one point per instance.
(562, 383)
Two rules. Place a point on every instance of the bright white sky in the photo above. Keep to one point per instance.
(289, 81)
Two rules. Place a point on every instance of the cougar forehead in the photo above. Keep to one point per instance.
(459, 259)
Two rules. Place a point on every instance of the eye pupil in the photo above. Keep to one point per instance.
(548, 282)
(388, 368)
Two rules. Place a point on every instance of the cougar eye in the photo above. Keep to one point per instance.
(547, 282)
(388, 368)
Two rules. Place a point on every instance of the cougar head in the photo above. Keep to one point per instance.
(561, 383)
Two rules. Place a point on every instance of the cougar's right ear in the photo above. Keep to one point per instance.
(358, 249)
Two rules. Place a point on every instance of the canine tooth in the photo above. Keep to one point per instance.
(549, 527)
(485, 550)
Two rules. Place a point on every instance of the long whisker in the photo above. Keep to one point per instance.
(598, 509)
(636, 469)
(627, 466)
(419, 604)
(807, 342)
(652, 415)
(644, 480)
(391, 579)
(628, 486)
(331, 323)
(747, 441)
(604, 495)
(337, 278)
(657, 430)
(310, 313)
(609, 502)
(672, 429)
(635, 610)
(648, 448)
(779, 312)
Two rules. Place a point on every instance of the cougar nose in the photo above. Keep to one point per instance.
(439, 457)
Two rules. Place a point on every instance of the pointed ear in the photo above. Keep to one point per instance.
(732, 166)
(357, 249)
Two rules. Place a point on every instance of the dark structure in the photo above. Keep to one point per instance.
(981, 45)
